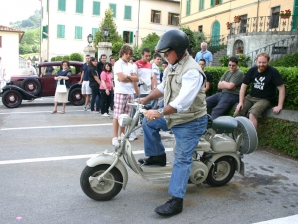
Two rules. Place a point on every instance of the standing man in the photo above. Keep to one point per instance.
(2, 75)
(229, 83)
(143, 69)
(30, 70)
(156, 76)
(184, 113)
(205, 54)
(123, 91)
(265, 79)
(102, 60)
(86, 90)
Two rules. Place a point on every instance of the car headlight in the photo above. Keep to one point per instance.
(124, 120)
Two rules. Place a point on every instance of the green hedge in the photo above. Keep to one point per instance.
(290, 76)
(279, 135)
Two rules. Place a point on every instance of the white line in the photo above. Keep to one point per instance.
(6, 162)
(63, 126)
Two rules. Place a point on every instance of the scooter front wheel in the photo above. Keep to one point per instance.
(225, 170)
(103, 190)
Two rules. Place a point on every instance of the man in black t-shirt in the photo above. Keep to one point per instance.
(265, 79)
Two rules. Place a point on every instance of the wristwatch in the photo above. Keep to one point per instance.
(160, 110)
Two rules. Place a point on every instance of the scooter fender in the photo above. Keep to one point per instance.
(109, 159)
(217, 156)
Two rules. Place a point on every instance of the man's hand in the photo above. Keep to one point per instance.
(152, 114)
(276, 109)
(239, 107)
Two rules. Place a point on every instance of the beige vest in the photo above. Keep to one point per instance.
(172, 86)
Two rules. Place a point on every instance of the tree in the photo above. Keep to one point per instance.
(191, 37)
(114, 36)
(150, 41)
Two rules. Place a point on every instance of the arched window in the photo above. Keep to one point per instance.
(238, 47)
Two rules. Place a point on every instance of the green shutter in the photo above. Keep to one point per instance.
(220, 1)
(61, 5)
(188, 5)
(94, 31)
(127, 12)
(201, 7)
(212, 3)
(131, 37)
(113, 7)
(78, 32)
(79, 6)
(60, 31)
(96, 8)
(44, 30)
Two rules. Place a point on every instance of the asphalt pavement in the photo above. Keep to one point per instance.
(42, 156)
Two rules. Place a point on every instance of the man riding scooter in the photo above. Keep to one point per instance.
(184, 113)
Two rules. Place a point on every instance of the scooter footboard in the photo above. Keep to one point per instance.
(109, 159)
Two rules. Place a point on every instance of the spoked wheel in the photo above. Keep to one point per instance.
(105, 189)
(225, 172)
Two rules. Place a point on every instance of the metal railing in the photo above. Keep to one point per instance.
(276, 50)
(275, 23)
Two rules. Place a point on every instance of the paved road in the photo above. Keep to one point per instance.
(42, 156)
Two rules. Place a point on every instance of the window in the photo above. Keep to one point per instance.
(113, 7)
(128, 37)
(201, 5)
(200, 28)
(215, 2)
(60, 31)
(173, 19)
(79, 6)
(188, 3)
(94, 31)
(127, 12)
(274, 20)
(78, 32)
(0, 41)
(243, 23)
(155, 16)
(96, 8)
(44, 32)
(61, 5)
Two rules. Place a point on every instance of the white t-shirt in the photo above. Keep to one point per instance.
(144, 71)
(126, 68)
(156, 71)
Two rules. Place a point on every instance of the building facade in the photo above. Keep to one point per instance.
(66, 24)
(9, 48)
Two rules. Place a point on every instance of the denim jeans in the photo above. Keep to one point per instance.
(220, 103)
(187, 137)
(95, 98)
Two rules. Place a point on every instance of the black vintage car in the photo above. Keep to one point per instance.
(29, 87)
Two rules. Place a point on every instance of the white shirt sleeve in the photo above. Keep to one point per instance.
(191, 84)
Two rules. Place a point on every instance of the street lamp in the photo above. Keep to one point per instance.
(90, 39)
(105, 33)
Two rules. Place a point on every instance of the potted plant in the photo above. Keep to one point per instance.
(228, 25)
(285, 14)
(237, 19)
(240, 50)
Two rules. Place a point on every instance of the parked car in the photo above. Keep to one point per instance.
(29, 87)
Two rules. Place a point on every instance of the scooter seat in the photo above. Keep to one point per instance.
(224, 124)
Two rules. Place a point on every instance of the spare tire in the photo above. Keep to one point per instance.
(249, 141)
(32, 86)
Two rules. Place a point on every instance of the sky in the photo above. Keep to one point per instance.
(16, 10)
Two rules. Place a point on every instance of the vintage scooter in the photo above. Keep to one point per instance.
(218, 155)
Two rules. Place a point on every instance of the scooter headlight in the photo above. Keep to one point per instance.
(124, 120)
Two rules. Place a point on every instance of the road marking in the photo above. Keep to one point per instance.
(36, 112)
(47, 159)
(62, 126)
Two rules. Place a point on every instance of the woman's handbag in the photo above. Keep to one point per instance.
(61, 88)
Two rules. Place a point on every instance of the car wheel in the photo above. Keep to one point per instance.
(32, 86)
(75, 97)
(12, 98)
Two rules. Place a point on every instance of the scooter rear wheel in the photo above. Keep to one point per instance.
(104, 190)
(225, 172)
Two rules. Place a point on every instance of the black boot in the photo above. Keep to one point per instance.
(172, 207)
(154, 160)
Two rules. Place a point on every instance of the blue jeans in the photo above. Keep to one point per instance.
(187, 137)
(220, 103)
